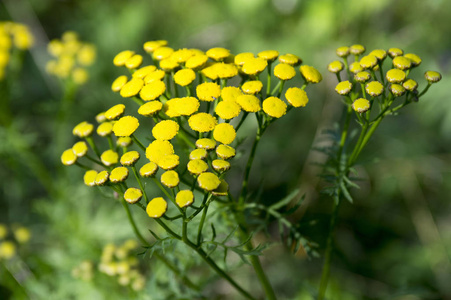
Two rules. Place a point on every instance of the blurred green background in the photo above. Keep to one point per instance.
(394, 242)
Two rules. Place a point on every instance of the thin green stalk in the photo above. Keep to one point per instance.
(162, 188)
(141, 186)
(201, 225)
(268, 80)
(138, 142)
(245, 114)
(364, 142)
(247, 171)
(353, 156)
(329, 247)
(93, 145)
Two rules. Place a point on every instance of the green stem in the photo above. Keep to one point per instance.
(93, 145)
(140, 183)
(162, 188)
(138, 142)
(245, 114)
(201, 225)
(329, 246)
(268, 81)
(353, 156)
(364, 141)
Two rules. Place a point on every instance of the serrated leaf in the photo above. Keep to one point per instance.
(346, 193)
(350, 183)
(285, 200)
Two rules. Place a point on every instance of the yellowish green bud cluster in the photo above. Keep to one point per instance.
(12, 35)
(70, 58)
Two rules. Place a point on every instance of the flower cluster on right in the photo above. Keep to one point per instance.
(378, 88)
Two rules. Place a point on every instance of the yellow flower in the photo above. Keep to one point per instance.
(335, 66)
(22, 235)
(402, 63)
(119, 174)
(395, 76)
(184, 198)
(90, 178)
(120, 59)
(118, 83)
(374, 88)
(115, 112)
(344, 87)
(224, 133)
(432, 76)
(144, 71)
(249, 103)
(7, 250)
(182, 55)
(184, 77)
(269, 55)
(105, 129)
(198, 154)
(210, 72)
(68, 157)
(310, 74)
(357, 49)
(151, 46)
(80, 149)
(355, 67)
(197, 166)
(208, 91)
(362, 77)
(84, 129)
(196, 61)
(227, 110)
(415, 59)
(133, 195)
(220, 165)
(230, 93)
(202, 122)
(157, 149)
(170, 179)
(241, 58)
(284, 71)
(130, 158)
(165, 130)
(150, 108)
(218, 54)
(169, 64)
(155, 75)
(290, 59)
(393, 52)
(208, 181)
(225, 70)
(156, 207)
(3, 231)
(132, 87)
(207, 144)
(368, 61)
(86, 55)
(252, 87)
(342, 51)
(100, 117)
(225, 152)
(274, 107)
(80, 76)
(101, 178)
(177, 107)
(152, 90)
(124, 141)
(125, 126)
(148, 170)
(379, 53)
(410, 85)
(162, 53)
(296, 97)
(397, 90)
(254, 66)
(109, 158)
(361, 105)
(169, 162)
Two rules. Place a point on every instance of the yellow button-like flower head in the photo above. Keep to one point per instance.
(355, 67)
(68, 157)
(224, 133)
(342, 51)
(90, 178)
(177, 107)
(269, 55)
(80, 149)
(151, 46)
(249, 103)
(169, 64)
(218, 54)
(284, 71)
(125, 126)
(208, 91)
(254, 66)
(432, 76)
(105, 129)
(310, 74)
(361, 105)
(227, 110)
(335, 66)
(202, 122)
(220, 165)
(397, 90)
(134, 62)
(224, 70)
(182, 55)
(120, 59)
(362, 77)
(156, 207)
(162, 53)
(132, 195)
(118, 83)
(144, 71)
(165, 130)
(395, 76)
(84, 129)
(124, 141)
(393, 52)
(225, 152)
(22, 234)
(184, 77)
(115, 112)
(119, 174)
(380, 54)
(415, 59)
(357, 49)
(402, 63)
(170, 178)
(132, 87)
(150, 108)
(197, 166)
(374, 88)
(274, 107)
(368, 62)
(152, 90)
(169, 162)
(290, 59)
(155, 75)
(208, 181)
(196, 62)
(230, 93)
(344, 87)
(7, 250)
(252, 87)
(101, 178)
(410, 85)
(157, 149)
(129, 158)
(296, 97)
(184, 198)
(148, 170)
(109, 158)
(198, 154)
(241, 58)
(207, 144)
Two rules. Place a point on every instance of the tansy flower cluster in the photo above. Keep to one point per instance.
(182, 100)
(120, 262)
(10, 238)
(71, 57)
(368, 86)
(13, 37)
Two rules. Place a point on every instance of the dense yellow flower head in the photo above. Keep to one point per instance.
(355, 67)
(152, 90)
(151, 46)
(22, 234)
(241, 58)
(120, 59)
(165, 130)
(129, 158)
(310, 74)
(335, 66)
(80, 149)
(184, 198)
(197, 166)
(157, 149)
(170, 178)
(118, 83)
(90, 178)
(414, 59)
(368, 61)
(182, 55)
(393, 52)
(274, 107)
(361, 105)
(105, 129)
(132, 87)
(155, 75)
(344, 87)
(109, 157)
(269, 55)
(357, 49)
(68, 157)
(218, 54)
(197, 61)
(115, 112)
(227, 110)
(379, 53)
(402, 63)
(7, 250)
(119, 174)
(125, 126)
(225, 152)
(284, 71)
(169, 162)
(207, 144)
(296, 97)
(397, 90)
(210, 72)
(177, 107)
(342, 51)
(156, 207)
(198, 154)
(80, 76)
(83, 129)
(374, 88)
(249, 103)
(133, 195)
(202, 122)
(220, 165)
(162, 53)
(169, 64)
(124, 141)
(224, 133)
(254, 66)
(230, 93)
(410, 85)
(362, 77)
(144, 71)
(208, 181)
(395, 76)
(150, 108)
(208, 91)
(102, 178)
(290, 59)
(184, 77)
(148, 170)
(224, 70)
(252, 87)
(432, 76)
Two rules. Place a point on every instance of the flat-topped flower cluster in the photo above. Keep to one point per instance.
(184, 96)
